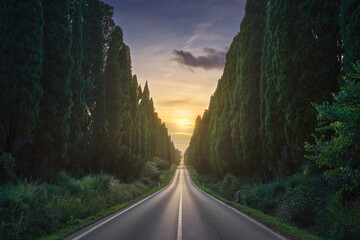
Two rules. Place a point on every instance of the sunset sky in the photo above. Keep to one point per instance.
(179, 47)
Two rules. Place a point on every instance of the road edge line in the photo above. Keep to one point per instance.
(122, 211)
(237, 211)
(179, 232)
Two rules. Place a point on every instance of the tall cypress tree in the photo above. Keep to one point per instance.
(94, 81)
(21, 58)
(246, 102)
(135, 116)
(78, 110)
(145, 123)
(53, 127)
(310, 74)
(350, 32)
(118, 83)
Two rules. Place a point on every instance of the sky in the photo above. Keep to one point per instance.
(179, 47)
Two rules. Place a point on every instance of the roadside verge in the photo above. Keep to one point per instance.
(63, 233)
(275, 224)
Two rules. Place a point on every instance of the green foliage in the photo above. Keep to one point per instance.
(150, 171)
(21, 69)
(7, 167)
(78, 109)
(304, 200)
(161, 164)
(300, 203)
(245, 104)
(227, 187)
(52, 133)
(337, 147)
(350, 33)
(342, 218)
(32, 210)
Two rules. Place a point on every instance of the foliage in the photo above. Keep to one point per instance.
(21, 70)
(350, 32)
(161, 164)
(31, 210)
(337, 148)
(68, 96)
(304, 200)
(7, 167)
(52, 133)
(150, 171)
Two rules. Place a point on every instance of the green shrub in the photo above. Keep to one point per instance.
(300, 205)
(262, 197)
(162, 164)
(151, 171)
(227, 187)
(32, 210)
(343, 219)
(7, 165)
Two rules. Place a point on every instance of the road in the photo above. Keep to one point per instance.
(179, 211)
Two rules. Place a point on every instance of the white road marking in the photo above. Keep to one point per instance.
(179, 232)
(237, 211)
(122, 212)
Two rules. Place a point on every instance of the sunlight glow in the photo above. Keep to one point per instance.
(185, 123)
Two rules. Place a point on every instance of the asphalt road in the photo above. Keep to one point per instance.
(179, 211)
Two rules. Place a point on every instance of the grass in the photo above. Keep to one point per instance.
(165, 178)
(30, 210)
(274, 223)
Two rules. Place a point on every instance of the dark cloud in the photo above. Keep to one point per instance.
(213, 59)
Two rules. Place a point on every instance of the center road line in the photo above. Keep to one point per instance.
(179, 232)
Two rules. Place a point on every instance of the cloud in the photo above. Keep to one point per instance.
(212, 58)
(181, 133)
(172, 103)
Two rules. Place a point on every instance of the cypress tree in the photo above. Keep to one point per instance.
(350, 32)
(309, 72)
(21, 58)
(246, 102)
(78, 110)
(94, 80)
(135, 128)
(118, 82)
(53, 128)
(145, 123)
(276, 67)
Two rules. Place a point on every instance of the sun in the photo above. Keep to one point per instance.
(184, 123)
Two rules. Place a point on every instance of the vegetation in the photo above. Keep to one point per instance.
(223, 190)
(78, 134)
(69, 101)
(285, 61)
(29, 210)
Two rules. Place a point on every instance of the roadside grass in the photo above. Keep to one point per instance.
(276, 224)
(165, 178)
(30, 210)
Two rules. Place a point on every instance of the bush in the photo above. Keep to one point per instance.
(342, 219)
(7, 165)
(300, 205)
(337, 145)
(263, 197)
(162, 164)
(227, 187)
(151, 171)
(32, 210)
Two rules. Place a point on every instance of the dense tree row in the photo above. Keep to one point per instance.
(68, 99)
(287, 55)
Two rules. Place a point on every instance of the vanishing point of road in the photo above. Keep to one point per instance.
(178, 211)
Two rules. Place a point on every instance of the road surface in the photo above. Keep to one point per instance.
(179, 211)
